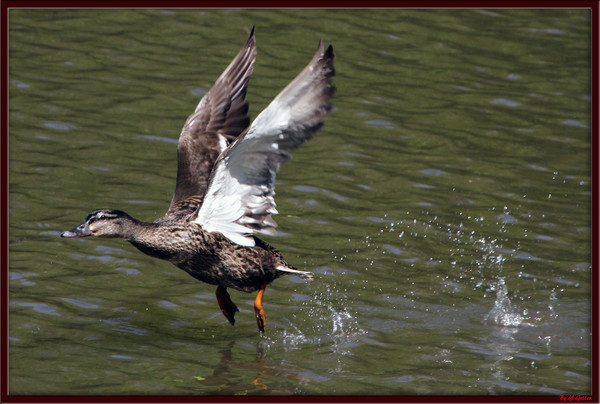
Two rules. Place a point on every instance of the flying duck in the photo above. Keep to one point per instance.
(226, 182)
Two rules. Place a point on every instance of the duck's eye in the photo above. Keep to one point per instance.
(101, 216)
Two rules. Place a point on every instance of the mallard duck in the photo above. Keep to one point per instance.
(225, 182)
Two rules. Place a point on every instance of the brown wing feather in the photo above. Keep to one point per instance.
(239, 200)
(222, 111)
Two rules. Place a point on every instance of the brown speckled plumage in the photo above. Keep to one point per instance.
(225, 182)
(209, 257)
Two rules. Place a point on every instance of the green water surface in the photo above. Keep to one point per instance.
(444, 209)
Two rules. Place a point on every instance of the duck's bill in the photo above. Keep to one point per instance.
(80, 231)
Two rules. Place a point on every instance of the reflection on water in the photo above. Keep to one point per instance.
(444, 208)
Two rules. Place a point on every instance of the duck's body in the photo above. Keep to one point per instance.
(225, 183)
(211, 257)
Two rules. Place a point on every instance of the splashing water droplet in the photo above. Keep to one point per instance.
(502, 313)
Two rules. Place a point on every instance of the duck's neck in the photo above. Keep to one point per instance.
(147, 238)
(137, 231)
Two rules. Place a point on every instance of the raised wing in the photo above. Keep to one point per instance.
(220, 117)
(239, 200)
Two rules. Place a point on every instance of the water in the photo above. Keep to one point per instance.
(444, 209)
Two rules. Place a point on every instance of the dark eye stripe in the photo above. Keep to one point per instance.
(101, 216)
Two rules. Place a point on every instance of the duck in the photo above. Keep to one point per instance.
(225, 186)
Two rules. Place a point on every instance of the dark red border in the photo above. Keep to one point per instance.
(292, 399)
(595, 208)
(299, 4)
(4, 205)
(5, 5)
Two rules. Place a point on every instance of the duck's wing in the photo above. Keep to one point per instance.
(239, 200)
(220, 117)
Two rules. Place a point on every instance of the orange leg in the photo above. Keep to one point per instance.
(227, 306)
(258, 309)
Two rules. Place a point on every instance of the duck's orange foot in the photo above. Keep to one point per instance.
(258, 309)
(227, 306)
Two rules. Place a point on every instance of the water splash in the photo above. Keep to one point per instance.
(478, 251)
(338, 329)
(503, 312)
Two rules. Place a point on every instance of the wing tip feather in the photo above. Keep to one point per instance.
(255, 215)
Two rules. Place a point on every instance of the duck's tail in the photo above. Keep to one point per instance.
(302, 274)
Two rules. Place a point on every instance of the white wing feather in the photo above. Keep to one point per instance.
(239, 199)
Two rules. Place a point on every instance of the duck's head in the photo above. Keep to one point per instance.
(102, 223)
